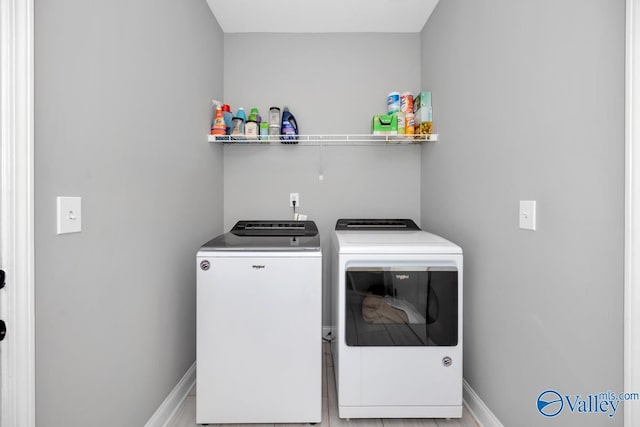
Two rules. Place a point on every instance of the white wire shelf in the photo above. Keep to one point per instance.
(329, 139)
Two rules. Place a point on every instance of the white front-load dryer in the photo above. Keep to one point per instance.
(259, 325)
(397, 310)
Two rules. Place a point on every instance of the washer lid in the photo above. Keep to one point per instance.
(275, 228)
(376, 224)
(267, 236)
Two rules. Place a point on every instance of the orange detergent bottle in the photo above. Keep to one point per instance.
(218, 126)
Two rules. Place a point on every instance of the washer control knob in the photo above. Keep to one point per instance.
(446, 361)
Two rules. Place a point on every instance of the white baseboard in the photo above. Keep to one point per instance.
(478, 409)
(168, 408)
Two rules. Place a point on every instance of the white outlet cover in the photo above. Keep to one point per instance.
(296, 197)
(69, 214)
(527, 214)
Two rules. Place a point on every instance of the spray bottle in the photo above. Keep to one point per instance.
(218, 126)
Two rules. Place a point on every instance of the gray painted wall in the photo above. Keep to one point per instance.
(122, 106)
(529, 104)
(333, 83)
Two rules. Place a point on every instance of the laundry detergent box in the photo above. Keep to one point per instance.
(384, 124)
(424, 112)
(423, 107)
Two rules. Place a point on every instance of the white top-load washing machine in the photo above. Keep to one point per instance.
(397, 309)
(259, 325)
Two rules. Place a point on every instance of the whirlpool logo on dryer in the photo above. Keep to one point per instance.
(258, 266)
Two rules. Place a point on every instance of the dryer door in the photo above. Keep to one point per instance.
(401, 306)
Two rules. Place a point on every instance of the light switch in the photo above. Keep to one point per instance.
(69, 213)
(528, 214)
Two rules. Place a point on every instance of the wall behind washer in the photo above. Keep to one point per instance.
(122, 106)
(529, 105)
(333, 83)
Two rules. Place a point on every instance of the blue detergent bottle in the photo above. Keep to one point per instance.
(228, 117)
(289, 128)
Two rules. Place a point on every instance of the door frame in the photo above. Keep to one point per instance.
(632, 212)
(17, 299)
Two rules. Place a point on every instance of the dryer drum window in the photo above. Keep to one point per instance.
(401, 306)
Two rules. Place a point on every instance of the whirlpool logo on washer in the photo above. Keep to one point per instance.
(402, 276)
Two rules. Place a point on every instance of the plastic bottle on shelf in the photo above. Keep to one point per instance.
(218, 126)
(251, 129)
(237, 128)
(274, 121)
(238, 124)
(289, 129)
(264, 131)
(241, 114)
(255, 115)
(228, 117)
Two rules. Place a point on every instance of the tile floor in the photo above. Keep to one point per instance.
(186, 414)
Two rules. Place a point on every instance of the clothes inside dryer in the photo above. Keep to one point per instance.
(401, 307)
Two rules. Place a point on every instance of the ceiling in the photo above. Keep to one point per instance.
(322, 16)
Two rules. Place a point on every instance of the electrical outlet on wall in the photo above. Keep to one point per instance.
(294, 197)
